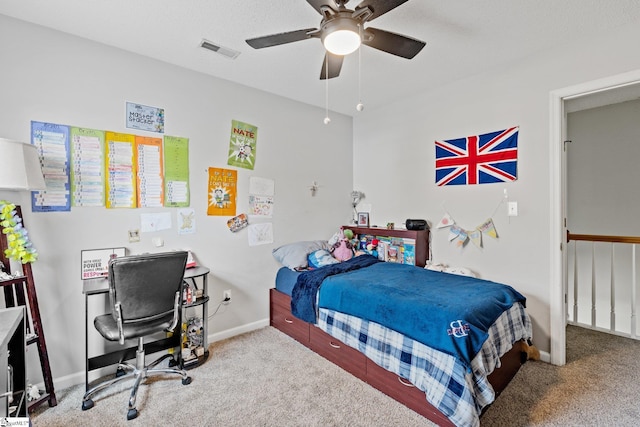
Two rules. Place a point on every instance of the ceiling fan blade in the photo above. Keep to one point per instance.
(280, 38)
(317, 4)
(395, 44)
(335, 65)
(378, 7)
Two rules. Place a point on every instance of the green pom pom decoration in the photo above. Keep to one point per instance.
(19, 246)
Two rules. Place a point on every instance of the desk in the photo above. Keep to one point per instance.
(92, 287)
(12, 352)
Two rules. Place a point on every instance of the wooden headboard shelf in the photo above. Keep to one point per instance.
(420, 236)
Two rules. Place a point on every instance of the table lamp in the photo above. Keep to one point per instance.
(20, 170)
(20, 166)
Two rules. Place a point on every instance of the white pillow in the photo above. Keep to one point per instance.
(460, 271)
(294, 255)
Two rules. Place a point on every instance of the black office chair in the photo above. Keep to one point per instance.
(145, 293)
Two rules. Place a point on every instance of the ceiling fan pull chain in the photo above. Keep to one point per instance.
(360, 105)
(327, 120)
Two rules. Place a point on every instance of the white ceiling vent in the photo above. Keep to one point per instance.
(224, 51)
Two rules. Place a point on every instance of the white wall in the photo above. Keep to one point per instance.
(52, 77)
(602, 172)
(394, 161)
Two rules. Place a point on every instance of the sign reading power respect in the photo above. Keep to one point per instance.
(95, 262)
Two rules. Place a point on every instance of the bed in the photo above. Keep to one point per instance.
(449, 373)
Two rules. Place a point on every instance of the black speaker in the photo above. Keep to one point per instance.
(416, 224)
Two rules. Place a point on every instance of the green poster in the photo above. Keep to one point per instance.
(176, 172)
(242, 145)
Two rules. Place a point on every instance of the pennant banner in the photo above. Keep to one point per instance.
(446, 221)
(488, 228)
(476, 237)
(460, 236)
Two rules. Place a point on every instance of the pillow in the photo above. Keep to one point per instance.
(460, 271)
(294, 255)
(320, 258)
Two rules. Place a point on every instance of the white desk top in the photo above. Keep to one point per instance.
(9, 320)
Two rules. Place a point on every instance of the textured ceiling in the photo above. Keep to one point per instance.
(464, 37)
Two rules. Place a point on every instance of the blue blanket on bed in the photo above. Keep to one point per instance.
(303, 295)
(444, 311)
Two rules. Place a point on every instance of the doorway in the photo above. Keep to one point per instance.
(604, 91)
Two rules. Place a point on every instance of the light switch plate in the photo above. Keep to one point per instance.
(512, 209)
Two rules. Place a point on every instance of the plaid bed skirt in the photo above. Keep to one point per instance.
(448, 386)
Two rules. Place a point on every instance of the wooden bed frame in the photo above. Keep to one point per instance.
(368, 371)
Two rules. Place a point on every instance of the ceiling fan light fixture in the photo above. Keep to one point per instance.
(341, 37)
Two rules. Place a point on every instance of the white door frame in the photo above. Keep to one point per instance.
(558, 244)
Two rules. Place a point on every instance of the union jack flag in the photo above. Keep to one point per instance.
(478, 159)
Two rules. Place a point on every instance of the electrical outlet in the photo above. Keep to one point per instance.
(134, 236)
(226, 296)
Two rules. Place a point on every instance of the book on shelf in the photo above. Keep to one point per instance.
(382, 250)
(389, 249)
(409, 249)
(394, 254)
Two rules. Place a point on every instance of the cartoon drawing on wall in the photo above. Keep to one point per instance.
(242, 145)
(260, 234)
(186, 221)
(222, 192)
(220, 198)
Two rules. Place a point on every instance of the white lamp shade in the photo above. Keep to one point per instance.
(342, 42)
(20, 166)
(341, 36)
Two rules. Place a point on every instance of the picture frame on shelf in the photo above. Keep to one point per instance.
(363, 219)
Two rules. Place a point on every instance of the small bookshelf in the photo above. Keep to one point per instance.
(399, 237)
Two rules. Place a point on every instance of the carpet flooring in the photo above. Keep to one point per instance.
(264, 378)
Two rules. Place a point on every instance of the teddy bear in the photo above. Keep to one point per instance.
(194, 332)
(529, 351)
(342, 250)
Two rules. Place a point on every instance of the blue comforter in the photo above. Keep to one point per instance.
(447, 312)
(303, 294)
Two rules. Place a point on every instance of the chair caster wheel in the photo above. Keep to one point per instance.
(120, 372)
(132, 413)
(172, 363)
(186, 381)
(87, 404)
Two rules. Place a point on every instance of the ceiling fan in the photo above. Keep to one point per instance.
(344, 27)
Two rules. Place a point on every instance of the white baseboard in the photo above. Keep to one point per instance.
(223, 335)
(545, 357)
(78, 377)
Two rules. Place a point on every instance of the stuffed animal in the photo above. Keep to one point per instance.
(529, 351)
(194, 332)
(342, 250)
(32, 393)
(372, 248)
